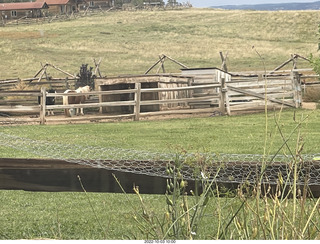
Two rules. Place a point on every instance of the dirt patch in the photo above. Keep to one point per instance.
(15, 35)
(309, 105)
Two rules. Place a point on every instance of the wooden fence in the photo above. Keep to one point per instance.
(25, 20)
(241, 93)
(55, 83)
(136, 103)
(251, 93)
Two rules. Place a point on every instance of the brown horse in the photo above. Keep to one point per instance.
(76, 99)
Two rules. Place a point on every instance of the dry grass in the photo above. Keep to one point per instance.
(129, 42)
(312, 94)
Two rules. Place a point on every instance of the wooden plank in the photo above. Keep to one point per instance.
(92, 105)
(253, 103)
(282, 95)
(260, 96)
(18, 102)
(282, 65)
(88, 118)
(288, 96)
(113, 92)
(155, 64)
(13, 94)
(255, 108)
(197, 104)
(247, 105)
(173, 82)
(223, 95)
(182, 111)
(94, 93)
(240, 96)
(262, 91)
(181, 100)
(186, 88)
(137, 99)
(43, 106)
(204, 76)
(139, 78)
(57, 68)
(9, 81)
(261, 83)
(19, 109)
(288, 71)
(175, 61)
(206, 94)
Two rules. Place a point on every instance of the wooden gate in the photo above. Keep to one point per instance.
(254, 93)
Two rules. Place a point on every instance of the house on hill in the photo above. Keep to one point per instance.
(62, 6)
(153, 3)
(19, 10)
(93, 4)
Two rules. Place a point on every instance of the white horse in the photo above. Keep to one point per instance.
(76, 99)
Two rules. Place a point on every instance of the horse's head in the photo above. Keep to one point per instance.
(86, 89)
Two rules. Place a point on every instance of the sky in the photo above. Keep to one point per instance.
(208, 3)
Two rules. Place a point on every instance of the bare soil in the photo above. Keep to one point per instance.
(309, 105)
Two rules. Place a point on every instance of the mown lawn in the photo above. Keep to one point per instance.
(29, 215)
(236, 134)
(95, 216)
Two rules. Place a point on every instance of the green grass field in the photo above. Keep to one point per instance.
(28, 215)
(231, 135)
(130, 42)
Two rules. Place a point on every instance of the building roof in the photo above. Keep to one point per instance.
(23, 6)
(54, 2)
(202, 70)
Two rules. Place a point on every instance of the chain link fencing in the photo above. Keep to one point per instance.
(226, 168)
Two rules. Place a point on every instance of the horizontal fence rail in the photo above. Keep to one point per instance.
(136, 101)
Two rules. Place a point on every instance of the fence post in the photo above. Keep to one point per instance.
(137, 99)
(227, 78)
(224, 103)
(296, 83)
(66, 83)
(223, 59)
(100, 100)
(296, 88)
(43, 106)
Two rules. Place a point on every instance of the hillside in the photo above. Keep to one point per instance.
(130, 42)
(274, 7)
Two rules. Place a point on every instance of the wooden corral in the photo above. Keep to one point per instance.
(194, 91)
(146, 81)
(251, 92)
(21, 96)
(206, 76)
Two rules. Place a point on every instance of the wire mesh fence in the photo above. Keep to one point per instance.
(227, 168)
